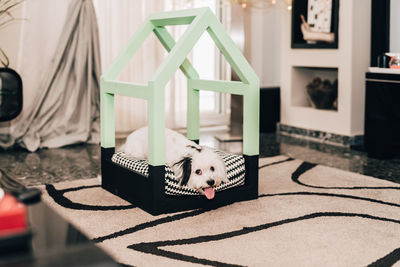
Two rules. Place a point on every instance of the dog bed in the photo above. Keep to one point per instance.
(234, 165)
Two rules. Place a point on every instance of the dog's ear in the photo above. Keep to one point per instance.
(220, 170)
(186, 170)
(198, 148)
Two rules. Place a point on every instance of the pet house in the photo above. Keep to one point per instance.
(147, 189)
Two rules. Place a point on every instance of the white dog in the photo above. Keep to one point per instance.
(197, 167)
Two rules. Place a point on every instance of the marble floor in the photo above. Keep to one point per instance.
(83, 161)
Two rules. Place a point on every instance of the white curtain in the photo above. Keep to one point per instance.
(39, 34)
(66, 104)
(118, 20)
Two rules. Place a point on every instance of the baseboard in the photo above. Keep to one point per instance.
(320, 136)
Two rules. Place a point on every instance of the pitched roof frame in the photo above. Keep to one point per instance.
(199, 20)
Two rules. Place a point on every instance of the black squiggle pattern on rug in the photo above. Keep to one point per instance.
(186, 258)
(391, 257)
(387, 260)
(306, 166)
(332, 195)
(154, 247)
(157, 251)
(60, 199)
(70, 189)
(149, 224)
(167, 219)
(184, 215)
(275, 163)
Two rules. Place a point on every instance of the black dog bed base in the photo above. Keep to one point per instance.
(235, 167)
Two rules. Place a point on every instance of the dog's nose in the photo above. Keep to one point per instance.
(210, 182)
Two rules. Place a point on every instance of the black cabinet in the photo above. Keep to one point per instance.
(382, 115)
(270, 107)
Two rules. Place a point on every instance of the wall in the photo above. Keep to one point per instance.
(360, 61)
(257, 33)
(395, 26)
(263, 42)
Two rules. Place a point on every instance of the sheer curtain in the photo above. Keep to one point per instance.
(40, 32)
(118, 21)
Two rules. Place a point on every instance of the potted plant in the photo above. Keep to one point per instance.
(10, 81)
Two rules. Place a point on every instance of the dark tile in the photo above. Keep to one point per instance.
(83, 161)
(319, 136)
(345, 158)
(51, 165)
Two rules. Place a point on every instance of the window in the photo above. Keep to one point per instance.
(210, 64)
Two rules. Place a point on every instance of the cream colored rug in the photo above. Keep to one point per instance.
(306, 215)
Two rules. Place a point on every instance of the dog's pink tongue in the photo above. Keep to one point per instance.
(209, 192)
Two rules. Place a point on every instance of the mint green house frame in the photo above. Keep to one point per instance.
(199, 21)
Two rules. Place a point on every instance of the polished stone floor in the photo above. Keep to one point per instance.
(83, 161)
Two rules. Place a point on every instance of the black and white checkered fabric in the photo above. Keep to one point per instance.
(234, 166)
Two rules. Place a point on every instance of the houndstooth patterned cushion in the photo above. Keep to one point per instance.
(234, 166)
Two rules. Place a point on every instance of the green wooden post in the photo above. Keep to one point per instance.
(156, 124)
(107, 120)
(251, 121)
(193, 112)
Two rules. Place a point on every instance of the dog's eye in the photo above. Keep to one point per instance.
(212, 168)
(198, 172)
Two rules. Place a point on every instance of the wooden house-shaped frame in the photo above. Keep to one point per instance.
(148, 192)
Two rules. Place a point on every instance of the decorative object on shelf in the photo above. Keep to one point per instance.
(322, 93)
(315, 23)
(383, 61)
(262, 4)
(394, 62)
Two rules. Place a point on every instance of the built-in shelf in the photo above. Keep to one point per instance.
(346, 64)
(303, 76)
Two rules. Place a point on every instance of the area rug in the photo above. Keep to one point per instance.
(306, 215)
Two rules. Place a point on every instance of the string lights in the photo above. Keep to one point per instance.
(260, 3)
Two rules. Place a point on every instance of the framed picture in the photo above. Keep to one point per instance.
(320, 24)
